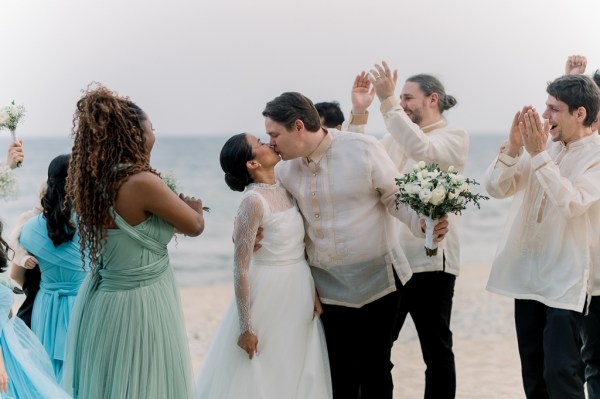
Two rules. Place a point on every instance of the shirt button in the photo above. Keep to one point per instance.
(316, 215)
(313, 194)
(314, 174)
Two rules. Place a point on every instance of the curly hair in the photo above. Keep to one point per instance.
(57, 211)
(109, 146)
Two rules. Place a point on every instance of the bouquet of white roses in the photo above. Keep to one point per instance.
(433, 193)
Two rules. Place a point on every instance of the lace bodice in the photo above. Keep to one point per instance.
(272, 208)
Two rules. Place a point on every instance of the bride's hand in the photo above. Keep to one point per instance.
(249, 343)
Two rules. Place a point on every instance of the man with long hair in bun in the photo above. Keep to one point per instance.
(127, 337)
(417, 131)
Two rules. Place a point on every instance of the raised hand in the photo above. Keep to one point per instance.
(15, 155)
(515, 139)
(534, 133)
(575, 65)
(383, 80)
(362, 93)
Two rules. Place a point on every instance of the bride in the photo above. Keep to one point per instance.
(270, 344)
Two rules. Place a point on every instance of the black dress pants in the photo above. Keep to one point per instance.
(359, 343)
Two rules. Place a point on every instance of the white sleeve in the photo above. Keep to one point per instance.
(246, 225)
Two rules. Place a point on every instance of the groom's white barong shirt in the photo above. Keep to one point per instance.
(406, 143)
(346, 192)
(551, 238)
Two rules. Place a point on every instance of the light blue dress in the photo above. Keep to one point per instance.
(30, 373)
(62, 274)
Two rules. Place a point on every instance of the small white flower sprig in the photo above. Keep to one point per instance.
(8, 182)
(10, 116)
(433, 193)
(171, 182)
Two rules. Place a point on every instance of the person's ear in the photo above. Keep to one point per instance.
(253, 164)
(434, 99)
(581, 114)
(298, 125)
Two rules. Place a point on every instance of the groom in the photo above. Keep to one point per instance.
(344, 186)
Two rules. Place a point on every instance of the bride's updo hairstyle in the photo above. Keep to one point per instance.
(234, 155)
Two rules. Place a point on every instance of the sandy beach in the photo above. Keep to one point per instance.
(487, 359)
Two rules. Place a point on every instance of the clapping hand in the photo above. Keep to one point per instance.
(534, 132)
(362, 93)
(515, 139)
(383, 80)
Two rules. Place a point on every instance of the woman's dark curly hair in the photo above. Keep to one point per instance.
(109, 146)
(57, 210)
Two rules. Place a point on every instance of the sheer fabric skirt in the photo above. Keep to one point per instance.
(292, 356)
(128, 344)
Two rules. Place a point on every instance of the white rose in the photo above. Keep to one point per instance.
(425, 195)
(434, 174)
(409, 188)
(416, 167)
(452, 195)
(426, 183)
(422, 164)
(437, 195)
(424, 174)
(451, 169)
(464, 187)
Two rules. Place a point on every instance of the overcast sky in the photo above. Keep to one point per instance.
(208, 67)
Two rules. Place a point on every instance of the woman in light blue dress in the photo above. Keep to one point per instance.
(25, 369)
(51, 238)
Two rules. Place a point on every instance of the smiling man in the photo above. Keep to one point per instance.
(545, 257)
(417, 131)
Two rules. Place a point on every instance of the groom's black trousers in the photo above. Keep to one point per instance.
(359, 343)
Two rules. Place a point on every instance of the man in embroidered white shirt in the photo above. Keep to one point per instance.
(417, 131)
(344, 186)
(545, 257)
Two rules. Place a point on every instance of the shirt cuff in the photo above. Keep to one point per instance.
(540, 160)
(359, 119)
(389, 103)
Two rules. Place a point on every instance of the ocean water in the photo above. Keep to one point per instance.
(208, 259)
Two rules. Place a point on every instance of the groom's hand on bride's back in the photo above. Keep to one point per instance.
(259, 237)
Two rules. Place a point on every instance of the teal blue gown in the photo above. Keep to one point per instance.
(62, 274)
(30, 373)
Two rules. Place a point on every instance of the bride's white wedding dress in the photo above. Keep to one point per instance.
(275, 300)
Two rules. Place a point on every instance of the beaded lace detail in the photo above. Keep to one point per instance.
(258, 200)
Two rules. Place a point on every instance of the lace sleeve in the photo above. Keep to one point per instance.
(247, 221)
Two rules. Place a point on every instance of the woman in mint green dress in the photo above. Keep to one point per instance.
(127, 337)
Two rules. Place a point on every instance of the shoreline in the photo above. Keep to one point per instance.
(485, 347)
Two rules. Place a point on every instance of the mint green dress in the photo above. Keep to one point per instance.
(127, 336)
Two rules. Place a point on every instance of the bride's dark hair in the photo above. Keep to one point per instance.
(234, 155)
